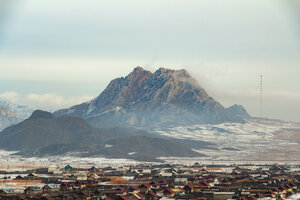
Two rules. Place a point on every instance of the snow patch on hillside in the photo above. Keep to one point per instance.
(254, 136)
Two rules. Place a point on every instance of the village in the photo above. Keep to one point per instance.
(152, 181)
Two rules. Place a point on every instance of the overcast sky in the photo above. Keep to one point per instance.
(56, 53)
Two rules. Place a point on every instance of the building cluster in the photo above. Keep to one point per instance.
(159, 181)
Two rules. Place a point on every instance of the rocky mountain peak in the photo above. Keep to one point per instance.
(174, 76)
(138, 69)
(143, 98)
(181, 72)
(163, 70)
(137, 76)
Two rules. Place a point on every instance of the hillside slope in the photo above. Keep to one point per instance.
(44, 135)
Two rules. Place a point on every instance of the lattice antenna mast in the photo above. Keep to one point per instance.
(261, 96)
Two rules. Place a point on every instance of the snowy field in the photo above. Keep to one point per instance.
(9, 162)
(253, 140)
(294, 197)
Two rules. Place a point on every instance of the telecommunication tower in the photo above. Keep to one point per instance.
(261, 96)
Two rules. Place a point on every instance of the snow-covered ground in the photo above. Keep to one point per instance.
(294, 197)
(9, 162)
(248, 139)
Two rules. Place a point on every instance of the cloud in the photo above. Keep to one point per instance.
(12, 97)
(48, 101)
(53, 101)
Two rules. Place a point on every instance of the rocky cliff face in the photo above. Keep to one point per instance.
(165, 97)
(7, 118)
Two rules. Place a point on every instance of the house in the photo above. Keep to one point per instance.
(117, 192)
(265, 175)
(144, 176)
(223, 195)
(151, 196)
(145, 187)
(81, 177)
(66, 186)
(123, 197)
(19, 177)
(182, 181)
(236, 172)
(169, 192)
(166, 174)
(51, 188)
(155, 185)
(93, 169)
(293, 185)
(32, 176)
(179, 191)
(68, 168)
(53, 168)
(134, 190)
(6, 191)
(189, 188)
(163, 183)
(204, 185)
(93, 177)
(33, 190)
(78, 185)
(137, 196)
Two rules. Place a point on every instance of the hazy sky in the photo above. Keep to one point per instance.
(56, 53)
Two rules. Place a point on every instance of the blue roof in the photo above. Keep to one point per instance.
(68, 167)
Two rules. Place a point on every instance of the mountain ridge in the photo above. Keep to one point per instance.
(143, 98)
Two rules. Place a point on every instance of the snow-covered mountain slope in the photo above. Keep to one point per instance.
(8, 118)
(257, 139)
(21, 110)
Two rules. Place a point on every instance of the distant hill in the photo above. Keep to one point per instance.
(8, 118)
(42, 129)
(163, 98)
(238, 110)
(42, 135)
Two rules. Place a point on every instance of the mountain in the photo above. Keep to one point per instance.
(42, 129)
(238, 110)
(44, 135)
(7, 118)
(163, 98)
(21, 110)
